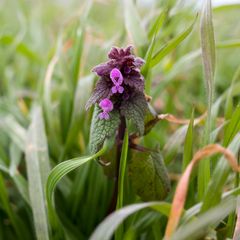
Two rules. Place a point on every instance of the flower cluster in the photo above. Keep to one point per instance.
(120, 86)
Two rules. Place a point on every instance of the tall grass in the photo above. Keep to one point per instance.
(51, 187)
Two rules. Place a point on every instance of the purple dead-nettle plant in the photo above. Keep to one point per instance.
(119, 94)
(120, 79)
(120, 103)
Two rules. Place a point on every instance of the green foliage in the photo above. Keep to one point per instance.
(149, 176)
(208, 58)
(134, 109)
(50, 185)
(38, 168)
(170, 46)
(107, 227)
(102, 129)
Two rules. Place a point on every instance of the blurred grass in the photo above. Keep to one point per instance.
(47, 51)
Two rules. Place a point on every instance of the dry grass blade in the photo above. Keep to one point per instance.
(171, 118)
(182, 187)
(48, 77)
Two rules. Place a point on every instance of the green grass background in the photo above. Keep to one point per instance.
(47, 51)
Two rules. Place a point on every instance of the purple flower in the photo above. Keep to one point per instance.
(127, 63)
(107, 106)
(117, 80)
(120, 81)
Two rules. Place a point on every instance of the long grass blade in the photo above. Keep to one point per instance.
(171, 45)
(106, 229)
(208, 58)
(37, 170)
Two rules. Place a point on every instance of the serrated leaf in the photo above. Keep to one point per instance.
(102, 129)
(149, 176)
(134, 109)
(101, 91)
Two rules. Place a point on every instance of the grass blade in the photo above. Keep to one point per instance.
(188, 145)
(146, 68)
(208, 58)
(37, 170)
(122, 172)
(133, 24)
(182, 187)
(171, 45)
(56, 174)
(201, 225)
(106, 229)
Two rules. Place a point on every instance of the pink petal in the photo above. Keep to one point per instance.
(116, 76)
(114, 89)
(104, 115)
(120, 89)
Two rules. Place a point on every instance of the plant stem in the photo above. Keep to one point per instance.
(119, 141)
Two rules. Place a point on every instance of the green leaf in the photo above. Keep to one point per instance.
(21, 47)
(188, 145)
(6, 206)
(121, 179)
(149, 176)
(102, 129)
(37, 170)
(133, 23)
(57, 173)
(153, 33)
(106, 229)
(228, 44)
(134, 109)
(174, 143)
(208, 49)
(219, 177)
(14, 130)
(208, 58)
(122, 170)
(232, 128)
(171, 45)
(201, 225)
(157, 24)
(229, 100)
(77, 56)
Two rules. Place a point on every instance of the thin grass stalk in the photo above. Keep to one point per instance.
(208, 59)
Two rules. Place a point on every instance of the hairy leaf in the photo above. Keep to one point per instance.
(149, 176)
(102, 129)
(134, 109)
(102, 90)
